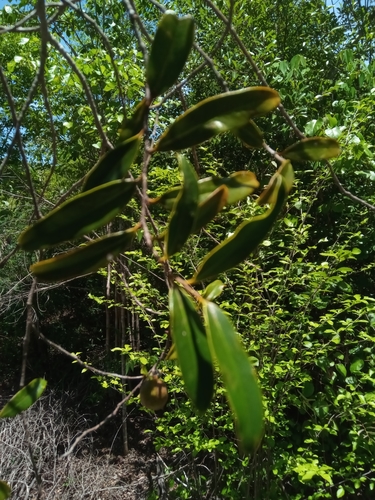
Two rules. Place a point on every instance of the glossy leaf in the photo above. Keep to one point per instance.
(213, 290)
(114, 165)
(134, 125)
(169, 51)
(232, 251)
(313, 149)
(192, 348)
(250, 135)
(5, 490)
(217, 114)
(269, 195)
(84, 260)
(79, 215)
(210, 207)
(184, 210)
(24, 398)
(238, 375)
(240, 185)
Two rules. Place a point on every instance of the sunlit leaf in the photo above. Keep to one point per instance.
(250, 135)
(184, 210)
(24, 398)
(357, 366)
(192, 348)
(213, 290)
(114, 165)
(313, 149)
(232, 251)
(169, 51)
(240, 185)
(79, 215)
(84, 260)
(217, 114)
(238, 375)
(5, 490)
(210, 207)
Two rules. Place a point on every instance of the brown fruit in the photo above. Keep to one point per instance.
(154, 393)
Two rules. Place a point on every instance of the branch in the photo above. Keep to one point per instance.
(100, 424)
(83, 364)
(85, 85)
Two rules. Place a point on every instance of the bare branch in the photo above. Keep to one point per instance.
(82, 363)
(86, 87)
(103, 422)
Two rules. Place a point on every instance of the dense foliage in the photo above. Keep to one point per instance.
(302, 303)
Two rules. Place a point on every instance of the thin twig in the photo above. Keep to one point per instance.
(103, 422)
(82, 363)
(86, 87)
(29, 324)
(107, 45)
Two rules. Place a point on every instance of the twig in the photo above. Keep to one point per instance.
(103, 422)
(82, 363)
(86, 87)
(107, 44)
(281, 108)
(7, 257)
(26, 339)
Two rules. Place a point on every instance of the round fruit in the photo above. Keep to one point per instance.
(154, 393)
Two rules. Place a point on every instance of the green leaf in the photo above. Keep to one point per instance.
(213, 290)
(192, 348)
(24, 398)
(250, 135)
(341, 369)
(238, 376)
(210, 207)
(232, 251)
(5, 490)
(114, 165)
(340, 492)
(134, 125)
(313, 149)
(217, 114)
(356, 366)
(169, 51)
(240, 185)
(84, 260)
(79, 215)
(184, 210)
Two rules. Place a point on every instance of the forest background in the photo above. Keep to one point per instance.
(303, 303)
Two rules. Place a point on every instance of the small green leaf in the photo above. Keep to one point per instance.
(192, 349)
(238, 376)
(24, 398)
(79, 215)
(209, 208)
(134, 125)
(217, 114)
(313, 149)
(213, 290)
(250, 135)
(356, 366)
(84, 260)
(184, 210)
(240, 185)
(169, 51)
(246, 237)
(114, 165)
(340, 492)
(5, 490)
